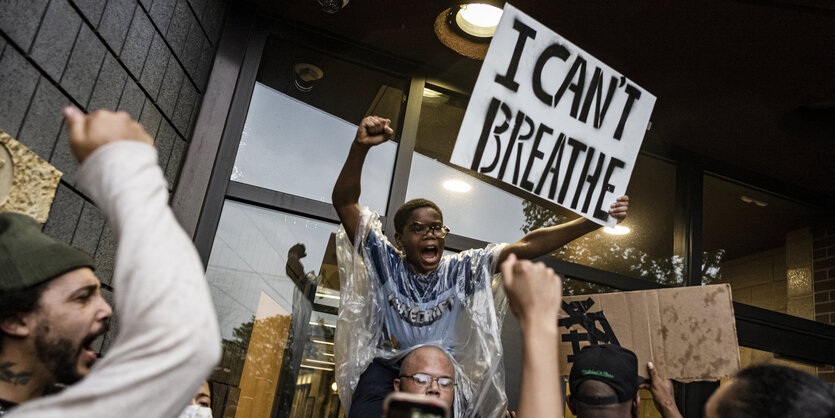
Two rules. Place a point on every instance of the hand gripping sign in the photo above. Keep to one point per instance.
(548, 118)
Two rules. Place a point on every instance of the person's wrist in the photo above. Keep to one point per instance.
(539, 324)
(360, 146)
(668, 408)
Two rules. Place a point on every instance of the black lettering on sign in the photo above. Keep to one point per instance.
(487, 128)
(576, 148)
(633, 94)
(578, 314)
(578, 69)
(553, 51)
(521, 118)
(592, 180)
(525, 32)
(584, 175)
(594, 94)
(519, 148)
(599, 213)
(553, 167)
(535, 154)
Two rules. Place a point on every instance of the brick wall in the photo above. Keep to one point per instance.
(823, 255)
(150, 58)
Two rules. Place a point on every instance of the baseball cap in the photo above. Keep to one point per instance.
(608, 363)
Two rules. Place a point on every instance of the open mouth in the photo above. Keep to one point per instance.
(430, 254)
(87, 346)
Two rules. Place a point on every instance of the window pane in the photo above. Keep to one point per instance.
(491, 211)
(263, 274)
(295, 141)
(761, 244)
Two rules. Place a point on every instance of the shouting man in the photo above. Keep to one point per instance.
(51, 307)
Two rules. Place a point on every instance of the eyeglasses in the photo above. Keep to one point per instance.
(423, 380)
(438, 230)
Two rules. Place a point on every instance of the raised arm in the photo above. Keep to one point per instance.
(535, 292)
(168, 339)
(372, 131)
(546, 240)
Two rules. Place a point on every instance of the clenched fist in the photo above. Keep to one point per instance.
(89, 132)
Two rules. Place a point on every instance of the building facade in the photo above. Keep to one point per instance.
(253, 113)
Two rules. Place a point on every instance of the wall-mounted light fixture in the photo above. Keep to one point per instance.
(747, 199)
(306, 75)
(478, 19)
(332, 6)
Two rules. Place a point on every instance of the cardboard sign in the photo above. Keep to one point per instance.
(689, 333)
(550, 119)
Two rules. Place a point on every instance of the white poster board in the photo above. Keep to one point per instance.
(550, 119)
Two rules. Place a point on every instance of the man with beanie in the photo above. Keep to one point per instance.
(51, 308)
(604, 382)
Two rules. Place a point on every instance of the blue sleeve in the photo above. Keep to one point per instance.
(382, 256)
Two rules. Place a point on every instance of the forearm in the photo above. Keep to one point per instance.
(540, 393)
(347, 189)
(670, 412)
(546, 240)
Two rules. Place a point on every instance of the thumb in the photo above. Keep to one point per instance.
(653, 372)
(507, 269)
(76, 122)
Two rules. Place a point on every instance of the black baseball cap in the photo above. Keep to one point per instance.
(608, 363)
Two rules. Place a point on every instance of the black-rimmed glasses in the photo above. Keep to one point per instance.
(438, 230)
(423, 380)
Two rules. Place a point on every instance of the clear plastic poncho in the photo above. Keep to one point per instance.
(458, 314)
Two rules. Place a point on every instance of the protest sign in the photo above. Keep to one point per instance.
(689, 333)
(550, 119)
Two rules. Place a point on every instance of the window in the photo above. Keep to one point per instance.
(761, 244)
(262, 272)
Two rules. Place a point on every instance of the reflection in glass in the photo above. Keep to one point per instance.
(290, 146)
(761, 244)
(491, 211)
(275, 310)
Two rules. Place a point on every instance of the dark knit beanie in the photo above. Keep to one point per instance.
(29, 257)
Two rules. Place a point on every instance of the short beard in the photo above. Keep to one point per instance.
(59, 356)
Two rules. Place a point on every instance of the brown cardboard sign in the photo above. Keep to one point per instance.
(689, 333)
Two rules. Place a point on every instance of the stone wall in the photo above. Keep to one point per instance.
(150, 58)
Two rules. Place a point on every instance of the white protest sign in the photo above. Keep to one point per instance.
(550, 119)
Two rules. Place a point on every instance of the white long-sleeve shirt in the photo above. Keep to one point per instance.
(168, 340)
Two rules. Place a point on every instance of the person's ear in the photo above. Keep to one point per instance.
(398, 239)
(17, 326)
(397, 385)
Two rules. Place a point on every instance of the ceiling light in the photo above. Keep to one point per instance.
(333, 386)
(617, 230)
(747, 199)
(457, 186)
(478, 19)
